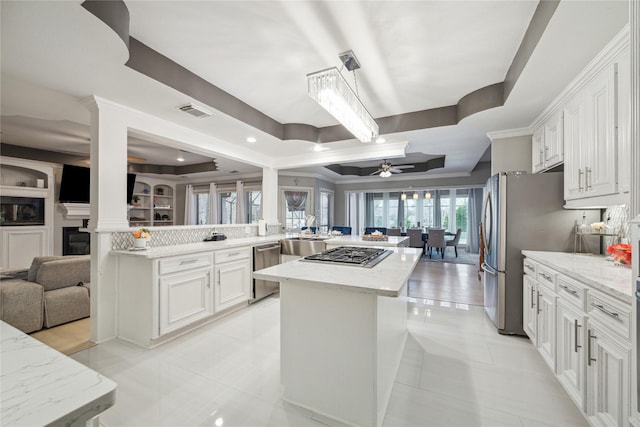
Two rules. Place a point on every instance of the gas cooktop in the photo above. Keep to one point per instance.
(350, 255)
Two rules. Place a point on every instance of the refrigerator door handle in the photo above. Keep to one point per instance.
(488, 225)
(486, 267)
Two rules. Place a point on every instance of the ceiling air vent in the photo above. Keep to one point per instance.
(196, 110)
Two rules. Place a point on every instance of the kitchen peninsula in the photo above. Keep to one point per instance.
(399, 241)
(343, 330)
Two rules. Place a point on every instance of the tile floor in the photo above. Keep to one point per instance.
(456, 371)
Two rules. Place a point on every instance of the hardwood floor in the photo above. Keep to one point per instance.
(68, 338)
(446, 282)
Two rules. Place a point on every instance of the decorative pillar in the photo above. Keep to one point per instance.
(108, 209)
(270, 195)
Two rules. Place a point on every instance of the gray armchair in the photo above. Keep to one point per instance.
(436, 240)
(394, 231)
(454, 242)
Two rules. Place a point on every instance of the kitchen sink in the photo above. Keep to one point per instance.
(301, 246)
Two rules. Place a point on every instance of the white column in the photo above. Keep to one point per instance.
(634, 47)
(270, 195)
(108, 209)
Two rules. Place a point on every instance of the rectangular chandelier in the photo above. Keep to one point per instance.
(332, 92)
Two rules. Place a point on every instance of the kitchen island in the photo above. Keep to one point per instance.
(392, 241)
(41, 386)
(343, 330)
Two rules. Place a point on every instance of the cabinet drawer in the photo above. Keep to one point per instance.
(231, 255)
(612, 313)
(186, 262)
(529, 267)
(546, 277)
(571, 291)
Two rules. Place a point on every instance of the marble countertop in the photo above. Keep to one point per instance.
(387, 278)
(173, 250)
(41, 386)
(357, 240)
(592, 270)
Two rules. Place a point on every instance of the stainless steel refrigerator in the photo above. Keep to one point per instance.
(522, 211)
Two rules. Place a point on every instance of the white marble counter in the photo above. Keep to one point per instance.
(173, 250)
(387, 278)
(41, 386)
(392, 241)
(592, 270)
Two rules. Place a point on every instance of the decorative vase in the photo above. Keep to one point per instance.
(140, 243)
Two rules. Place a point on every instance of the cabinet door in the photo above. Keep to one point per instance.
(624, 124)
(537, 150)
(232, 283)
(608, 379)
(547, 326)
(574, 148)
(184, 298)
(570, 363)
(553, 137)
(530, 308)
(21, 244)
(601, 158)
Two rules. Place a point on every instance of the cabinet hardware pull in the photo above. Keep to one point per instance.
(530, 268)
(589, 358)
(268, 248)
(587, 176)
(189, 261)
(532, 291)
(580, 173)
(219, 271)
(571, 291)
(605, 311)
(538, 302)
(575, 328)
(209, 280)
(234, 254)
(545, 276)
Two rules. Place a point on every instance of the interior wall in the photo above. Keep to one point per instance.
(477, 178)
(511, 154)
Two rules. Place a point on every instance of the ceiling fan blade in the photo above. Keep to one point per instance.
(376, 172)
(395, 170)
(404, 166)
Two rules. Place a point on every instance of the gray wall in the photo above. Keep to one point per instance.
(478, 178)
(511, 154)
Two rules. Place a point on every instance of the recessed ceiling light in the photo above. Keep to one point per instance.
(180, 156)
(317, 147)
(380, 140)
(251, 139)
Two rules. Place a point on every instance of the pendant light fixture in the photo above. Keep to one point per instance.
(403, 196)
(427, 195)
(329, 89)
(415, 196)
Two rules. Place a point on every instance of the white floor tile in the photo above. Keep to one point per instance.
(456, 370)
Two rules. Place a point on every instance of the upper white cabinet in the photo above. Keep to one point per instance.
(547, 147)
(587, 128)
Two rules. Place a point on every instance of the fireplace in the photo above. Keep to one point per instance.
(75, 242)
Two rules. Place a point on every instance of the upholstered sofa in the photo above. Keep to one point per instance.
(55, 291)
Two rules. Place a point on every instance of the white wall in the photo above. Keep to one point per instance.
(511, 154)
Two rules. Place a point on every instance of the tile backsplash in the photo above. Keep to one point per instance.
(188, 234)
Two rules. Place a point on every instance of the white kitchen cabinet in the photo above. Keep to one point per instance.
(575, 146)
(570, 350)
(624, 125)
(608, 379)
(546, 331)
(537, 150)
(530, 309)
(547, 148)
(233, 278)
(184, 298)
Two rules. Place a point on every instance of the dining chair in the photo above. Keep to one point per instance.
(454, 242)
(312, 229)
(436, 240)
(394, 231)
(415, 238)
(346, 231)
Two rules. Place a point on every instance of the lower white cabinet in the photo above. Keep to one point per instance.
(608, 376)
(184, 298)
(584, 336)
(232, 283)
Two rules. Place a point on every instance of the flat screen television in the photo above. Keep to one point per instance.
(75, 186)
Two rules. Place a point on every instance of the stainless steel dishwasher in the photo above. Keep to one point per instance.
(263, 257)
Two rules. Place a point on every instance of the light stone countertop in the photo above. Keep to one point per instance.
(357, 240)
(41, 386)
(188, 248)
(387, 278)
(592, 270)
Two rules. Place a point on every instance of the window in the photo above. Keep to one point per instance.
(202, 207)
(228, 201)
(254, 205)
(326, 211)
(296, 205)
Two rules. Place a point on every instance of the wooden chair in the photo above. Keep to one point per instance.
(454, 242)
(436, 240)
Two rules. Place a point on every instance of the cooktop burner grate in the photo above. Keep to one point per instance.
(350, 255)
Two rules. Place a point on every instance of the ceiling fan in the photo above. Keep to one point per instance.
(386, 169)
